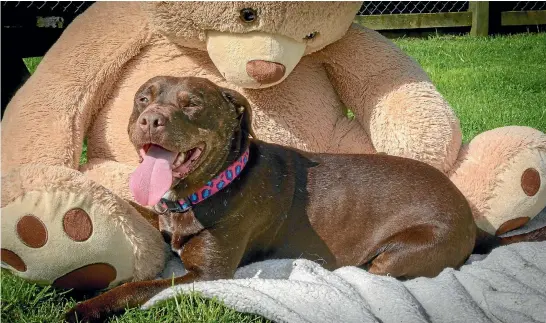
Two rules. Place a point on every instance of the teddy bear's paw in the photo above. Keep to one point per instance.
(519, 192)
(525, 189)
(64, 239)
(503, 175)
(60, 228)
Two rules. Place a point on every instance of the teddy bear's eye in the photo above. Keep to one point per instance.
(248, 15)
(143, 100)
(311, 35)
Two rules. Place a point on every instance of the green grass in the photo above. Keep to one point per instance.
(490, 82)
(25, 302)
(32, 63)
(29, 303)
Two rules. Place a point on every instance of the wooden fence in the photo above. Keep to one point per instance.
(404, 15)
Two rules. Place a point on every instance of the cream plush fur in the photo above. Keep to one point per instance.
(85, 85)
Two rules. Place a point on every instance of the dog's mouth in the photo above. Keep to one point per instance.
(160, 168)
(182, 163)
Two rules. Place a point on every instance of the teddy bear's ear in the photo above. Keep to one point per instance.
(242, 107)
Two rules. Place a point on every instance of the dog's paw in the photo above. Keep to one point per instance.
(68, 236)
(100, 308)
(82, 313)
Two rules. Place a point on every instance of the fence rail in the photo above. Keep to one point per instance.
(411, 7)
(378, 15)
(400, 15)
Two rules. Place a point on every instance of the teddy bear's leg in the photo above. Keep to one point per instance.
(61, 228)
(502, 173)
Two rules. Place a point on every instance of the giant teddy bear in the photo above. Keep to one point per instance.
(300, 64)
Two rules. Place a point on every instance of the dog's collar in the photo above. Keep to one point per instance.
(211, 188)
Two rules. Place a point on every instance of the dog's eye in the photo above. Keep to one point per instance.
(248, 15)
(143, 99)
(184, 99)
(311, 35)
(192, 111)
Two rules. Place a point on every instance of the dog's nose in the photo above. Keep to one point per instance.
(151, 121)
(265, 72)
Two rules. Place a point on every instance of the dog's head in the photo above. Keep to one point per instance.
(189, 124)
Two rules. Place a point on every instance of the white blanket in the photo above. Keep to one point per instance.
(508, 285)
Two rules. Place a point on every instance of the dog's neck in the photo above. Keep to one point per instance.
(231, 168)
(240, 143)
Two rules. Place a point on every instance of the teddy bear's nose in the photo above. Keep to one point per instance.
(265, 72)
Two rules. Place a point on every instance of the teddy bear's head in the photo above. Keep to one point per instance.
(253, 44)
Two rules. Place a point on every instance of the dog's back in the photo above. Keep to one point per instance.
(355, 204)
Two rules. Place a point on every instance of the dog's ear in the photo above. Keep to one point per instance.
(242, 107)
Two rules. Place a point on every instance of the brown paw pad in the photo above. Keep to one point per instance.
(91, 277)
(530, 181)
(11, 258)
(77, 225)
(512, 225)
(32, 231)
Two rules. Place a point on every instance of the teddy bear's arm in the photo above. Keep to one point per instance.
(47, 119)
(393, 98)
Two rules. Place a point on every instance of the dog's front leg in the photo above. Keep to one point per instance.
(205, 257)
(128, 295)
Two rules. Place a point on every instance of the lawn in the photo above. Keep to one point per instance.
(29, 303)
(490, 82)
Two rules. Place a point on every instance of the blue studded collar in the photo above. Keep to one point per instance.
(212, 187)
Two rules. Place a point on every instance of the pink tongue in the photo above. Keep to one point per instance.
(153, 177)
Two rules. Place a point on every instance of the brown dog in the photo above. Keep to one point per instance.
(250, 200)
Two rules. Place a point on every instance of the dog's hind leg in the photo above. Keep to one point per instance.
(417, 252)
